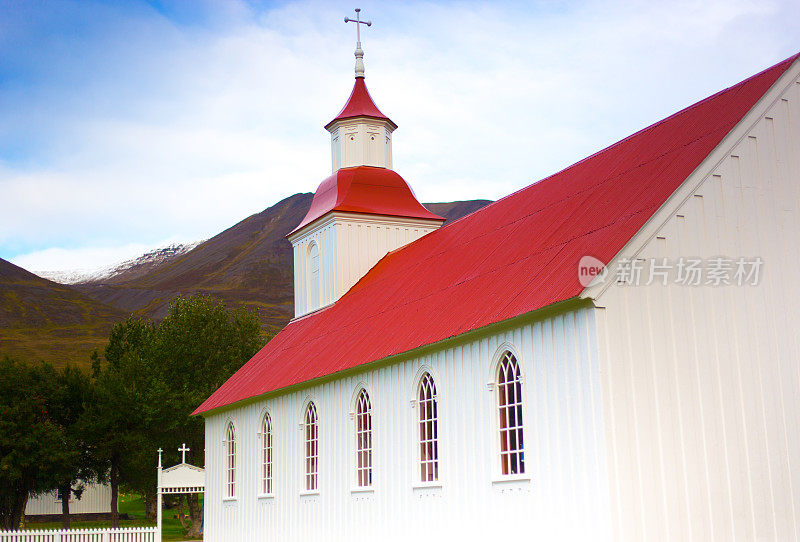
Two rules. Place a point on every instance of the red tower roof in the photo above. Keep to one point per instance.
(365, 189)
(360, 104)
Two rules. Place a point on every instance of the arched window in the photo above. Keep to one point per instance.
(312, 446)
(230, 453)
(363, 439)
(509, 409)
(266, 454)
(428, 430)
(313, 276)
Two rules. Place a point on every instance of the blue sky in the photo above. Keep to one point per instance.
(127, 125)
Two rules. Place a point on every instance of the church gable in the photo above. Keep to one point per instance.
(755, 167)
(699, 367)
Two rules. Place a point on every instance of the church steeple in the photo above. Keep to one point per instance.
(362, 211)
(360, 134)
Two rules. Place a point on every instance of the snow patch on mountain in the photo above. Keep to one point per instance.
(150, 258)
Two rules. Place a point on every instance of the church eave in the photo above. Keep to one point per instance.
(449, 342)
(338, 121)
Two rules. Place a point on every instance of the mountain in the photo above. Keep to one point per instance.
(43, 320)
(249, 263)
(136, 266)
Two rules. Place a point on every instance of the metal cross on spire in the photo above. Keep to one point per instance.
(359, 52)
(358, 21)
(183, 449)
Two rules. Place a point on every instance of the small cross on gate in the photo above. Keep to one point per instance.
(358, 22)
(183, 449)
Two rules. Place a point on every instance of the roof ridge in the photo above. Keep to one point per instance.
(588, 188)
(686, 109)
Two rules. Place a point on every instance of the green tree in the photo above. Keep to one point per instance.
(198, 346)
(152, 379)
(114, 422)
(31, 443)
(67, 403)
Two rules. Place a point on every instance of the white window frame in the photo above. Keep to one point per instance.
(498, 426)
(266, 455)
(310, 449)
(421, 406)
(363, 440)
(230, 461)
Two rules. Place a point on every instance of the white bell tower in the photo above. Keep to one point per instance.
(360, 134)
(362, 211)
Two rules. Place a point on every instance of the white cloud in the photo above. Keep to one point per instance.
(148, 129)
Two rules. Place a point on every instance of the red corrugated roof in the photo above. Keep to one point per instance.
(514, 256)
(360, 104)
(365, 189)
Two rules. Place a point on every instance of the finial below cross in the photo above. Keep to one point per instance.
(359, 51)
(183, 449)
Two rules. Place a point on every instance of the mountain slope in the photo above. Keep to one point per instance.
(454, 210)
(249, 263)
(134, 267)
(43, 320)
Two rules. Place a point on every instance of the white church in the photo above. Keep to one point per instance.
(608, 354)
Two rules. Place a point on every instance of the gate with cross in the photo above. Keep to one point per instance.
(181, 478)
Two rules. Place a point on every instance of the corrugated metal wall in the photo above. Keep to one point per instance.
(96, 498)
(702, 384)
(566, 496)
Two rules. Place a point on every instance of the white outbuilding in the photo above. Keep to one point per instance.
(94, 500)
(608, 354)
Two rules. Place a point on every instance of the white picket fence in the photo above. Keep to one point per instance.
(126, 534)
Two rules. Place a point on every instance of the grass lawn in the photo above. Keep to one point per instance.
(133, 505)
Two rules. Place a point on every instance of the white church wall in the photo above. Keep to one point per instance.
(349, 246)
(702, 383)
(563, 494)
(96, 498)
